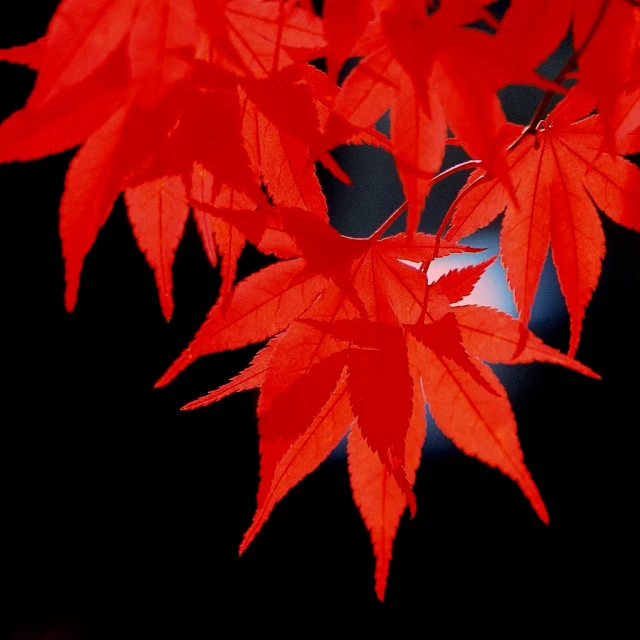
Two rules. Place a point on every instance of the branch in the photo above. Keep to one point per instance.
(570, 66)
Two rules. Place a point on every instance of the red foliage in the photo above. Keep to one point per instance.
(560, 173)
(213, 106)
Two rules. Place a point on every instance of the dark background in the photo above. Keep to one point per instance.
(122, 515)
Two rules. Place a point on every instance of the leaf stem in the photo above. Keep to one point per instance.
(389, 221)
(447, 218)
(570, 66)
(462, 166)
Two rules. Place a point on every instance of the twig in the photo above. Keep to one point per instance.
(463, 166)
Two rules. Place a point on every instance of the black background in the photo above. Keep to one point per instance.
(122, 515)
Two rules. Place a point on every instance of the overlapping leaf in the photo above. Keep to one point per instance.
(212, 104)
(358, 336)
(157, 93)
(419, 67)
(559, 173)
(606, 37)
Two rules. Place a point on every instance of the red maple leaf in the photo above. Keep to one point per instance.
(344, 23)
(559, 173)
(362, 340)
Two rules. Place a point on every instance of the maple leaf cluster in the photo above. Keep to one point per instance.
(220, 109)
